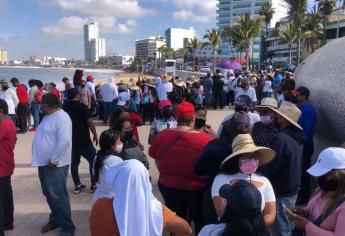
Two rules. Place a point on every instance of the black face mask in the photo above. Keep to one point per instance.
(167, 113)
(128, 135)
(327, 185)
(199, 123)
(83, 85)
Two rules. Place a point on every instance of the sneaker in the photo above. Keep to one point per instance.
(93, 188)
(48, 227)
(79, 188)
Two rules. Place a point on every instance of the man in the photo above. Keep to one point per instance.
(217, 90)
(108, 93)
(264, 131)
(164, 88)
(91, 86)
(11, 99)
(242, 103)
(285, 170)
(55, 91)
(51, 153)
(207, 83)
(82, 124)
(308, 122)
(231, 91)
(35, 96)
(277, 78)
(248, 90)
(7, 143)
(65, 80)
(85, 94)
(23, 105)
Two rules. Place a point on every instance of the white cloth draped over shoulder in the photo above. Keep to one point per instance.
(137, 211)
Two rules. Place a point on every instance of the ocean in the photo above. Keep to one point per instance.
(46, 75)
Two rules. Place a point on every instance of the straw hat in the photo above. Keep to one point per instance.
(179, 82)
(268, 103)
(134, 87)
(192, 80)
(166, 78)
(244, 144)
(289, 112)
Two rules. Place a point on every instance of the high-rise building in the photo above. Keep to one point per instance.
(94, 46)
(230, 10)
(178, 38)
(3, 56)
(147, 49)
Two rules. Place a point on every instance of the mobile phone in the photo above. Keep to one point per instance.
(287, 209)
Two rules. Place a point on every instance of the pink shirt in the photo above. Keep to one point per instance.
(333, 225)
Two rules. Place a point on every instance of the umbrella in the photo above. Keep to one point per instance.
(230, 65)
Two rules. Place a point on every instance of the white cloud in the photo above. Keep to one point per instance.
(5, 37)
(186, 15)
(206, 6)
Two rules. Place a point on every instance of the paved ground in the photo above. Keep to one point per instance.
(31, 209)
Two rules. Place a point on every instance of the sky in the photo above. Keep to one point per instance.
(55, 27)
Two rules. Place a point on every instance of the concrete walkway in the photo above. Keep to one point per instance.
(31, 209)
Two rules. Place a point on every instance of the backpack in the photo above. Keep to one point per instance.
(38, 96)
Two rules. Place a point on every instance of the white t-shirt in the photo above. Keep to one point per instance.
(266, 190)
(11, 99)
(267, 86)
(250, 93)
(104, 189)
(212, 230)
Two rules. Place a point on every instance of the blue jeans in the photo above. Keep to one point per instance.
(282, 226)
(53, 183)
(35, 111)
(89, 154)
(13, 118)
(107, 109)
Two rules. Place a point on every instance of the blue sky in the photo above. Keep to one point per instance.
(54, 27)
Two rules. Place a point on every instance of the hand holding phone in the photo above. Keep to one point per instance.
(288, 210)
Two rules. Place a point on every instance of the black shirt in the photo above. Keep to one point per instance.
(263, 134)
(79, 114)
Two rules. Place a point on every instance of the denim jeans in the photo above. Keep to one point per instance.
(22, 111)
(282, 226)
(35, 111)
(13, 118)
(89, 154)
(107, 109)
(53, 183)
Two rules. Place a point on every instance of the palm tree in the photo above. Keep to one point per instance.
(267, 12)
(160, 50)
(312, 30)
(326, 8)
(288, 33)
(297, 13)
(170, 53)
(182, 53)
(214, 39)
(243, 33)
(193, 46)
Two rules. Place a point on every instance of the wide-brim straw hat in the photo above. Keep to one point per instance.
(192, 80)
(166, 78)
(244, 144)
(134, 87)
(271, 75)
(267, 103)
(289, 112)
(179, 82)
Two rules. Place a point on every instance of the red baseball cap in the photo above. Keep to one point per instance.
(89, 78)
(185, 110)
(164, 103)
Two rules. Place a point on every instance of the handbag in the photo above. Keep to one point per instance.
(320, 219)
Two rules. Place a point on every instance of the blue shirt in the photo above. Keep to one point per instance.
(308, 121)
(278, 79)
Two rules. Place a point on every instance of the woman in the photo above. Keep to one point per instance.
(134, 210)
(243, 164)
(176, 151)
(325, 212)
(131, 148)
(111, 146)
(200, 122)
(136, 94)
(242, 215)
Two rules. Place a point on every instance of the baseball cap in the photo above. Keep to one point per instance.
(123, 98)
(243, 100)
(185, 110)
(89, 78)
(329, 159)
(243, 199)
(164, 103)
(303, 91)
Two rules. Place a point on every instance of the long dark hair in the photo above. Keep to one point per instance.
(106, 142)
(114, 116)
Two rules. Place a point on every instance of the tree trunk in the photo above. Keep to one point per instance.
(290, 56)
(247, 59)
(299, 45)
(324, 31)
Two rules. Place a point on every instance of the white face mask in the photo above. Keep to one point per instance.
(119, 148)
(266, 120)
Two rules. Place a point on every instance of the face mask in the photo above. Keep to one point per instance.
(119, 148)
(128, 135)
(83, 85)
(266, 120)
(327, 185)
(199, 123)
(249, 166)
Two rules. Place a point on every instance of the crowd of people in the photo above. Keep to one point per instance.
(250, 176)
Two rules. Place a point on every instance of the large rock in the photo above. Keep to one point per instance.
(323, 73)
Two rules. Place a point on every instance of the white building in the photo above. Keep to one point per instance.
(94, 46)
(230, 10)
(178, 38)
(147, 49)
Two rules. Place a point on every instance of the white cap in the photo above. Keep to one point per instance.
(329, 159)
(123, 98)
(269, 67)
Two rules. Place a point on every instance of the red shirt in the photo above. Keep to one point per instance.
(7, 143)
(22, 94)
(136, 121)
(176, 154)
(56, 92)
